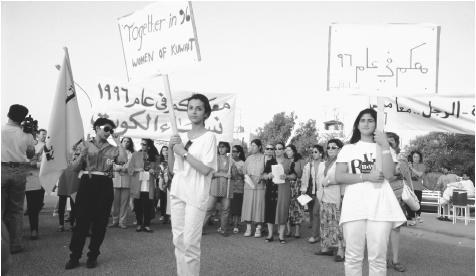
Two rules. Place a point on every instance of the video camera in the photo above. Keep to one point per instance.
(29, 125)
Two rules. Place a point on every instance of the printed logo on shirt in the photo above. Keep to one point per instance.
(363, 166)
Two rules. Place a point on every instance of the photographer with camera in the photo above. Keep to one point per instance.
(17, 148)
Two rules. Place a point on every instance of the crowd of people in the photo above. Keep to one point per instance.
(353, 204)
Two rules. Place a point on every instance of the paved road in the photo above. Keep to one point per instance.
(126, 252)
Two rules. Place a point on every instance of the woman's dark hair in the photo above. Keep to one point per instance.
(161, 155)
(356, 132)
(224, 144)
(410, 157)
(319, 148)
(397, 141)
(258, 143)
(296, 155)
(280, 143)
(103, 121)
(152, 151)
(205, 101)
(130, 147)
(241, 152)
(336, 141)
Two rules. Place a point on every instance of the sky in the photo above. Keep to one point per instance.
(272, 55)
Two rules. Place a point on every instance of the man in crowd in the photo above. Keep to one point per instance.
(17, 148)
(447, 183)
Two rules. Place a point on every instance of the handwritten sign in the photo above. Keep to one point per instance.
(142, 112)
(159, 39)
(390, 58)
(431, 113)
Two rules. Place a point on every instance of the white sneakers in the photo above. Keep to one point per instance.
(248, 231)
(258, 231)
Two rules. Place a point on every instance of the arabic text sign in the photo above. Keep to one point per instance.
(142, 112)
(431, 113)
(158, 39)
(390, 58)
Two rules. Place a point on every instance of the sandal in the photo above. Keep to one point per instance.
(282, 241)
(397, 266)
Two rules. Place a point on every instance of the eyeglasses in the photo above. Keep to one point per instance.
(107, 129)
(269, 148)
(332, 148)
(279, 148)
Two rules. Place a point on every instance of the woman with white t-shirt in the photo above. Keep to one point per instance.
(369, 208)
(192, 159)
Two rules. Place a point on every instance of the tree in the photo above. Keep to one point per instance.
(305, 137)
(278, 129)
(449, 149)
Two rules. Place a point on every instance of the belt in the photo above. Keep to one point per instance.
(15, 164)
(81, 173)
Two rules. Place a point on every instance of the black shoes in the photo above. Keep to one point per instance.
(72, 263)
(91, 263)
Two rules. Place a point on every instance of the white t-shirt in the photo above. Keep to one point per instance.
(188, 184)
(367, 200)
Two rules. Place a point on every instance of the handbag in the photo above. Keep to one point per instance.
(409, 197)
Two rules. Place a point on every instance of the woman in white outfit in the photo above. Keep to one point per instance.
(192, 159)
(369, 208)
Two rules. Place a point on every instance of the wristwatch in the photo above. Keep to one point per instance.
(185, 155)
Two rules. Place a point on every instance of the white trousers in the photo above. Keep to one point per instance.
(356, 233)
(187, 223)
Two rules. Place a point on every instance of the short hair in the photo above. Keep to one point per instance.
(356, 132)
(204, 100)
(258, 143)
(17, 113)
(224, 144)
(410, 157)
(319, 148)
(103, 121)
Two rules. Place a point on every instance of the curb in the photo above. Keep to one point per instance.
(442, 232)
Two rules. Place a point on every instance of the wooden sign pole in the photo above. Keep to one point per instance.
(168, 94)
(380, 127)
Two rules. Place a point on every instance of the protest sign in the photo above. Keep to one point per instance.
(430, 113)
(159, 39)
(141, 111)
(393, 59)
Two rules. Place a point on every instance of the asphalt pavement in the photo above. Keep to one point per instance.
(424, 249)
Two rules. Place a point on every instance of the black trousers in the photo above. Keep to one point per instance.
(163, 202)
(412, 214)
(34, 203)
(62, 207)
(92, 210)
(143, 209)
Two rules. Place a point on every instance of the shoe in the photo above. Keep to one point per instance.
(139, 228)
(324, 253)
(60, 228)
(34, 236)
(339, 258)
(441, 218)
(91, 263)
(396, 266)
(220, 230)
(112, 225)
(257, 234)
(297, 236)
(247, 233)
(313, 240)
(72, 263)
(236, 230)
(419, 219)
(269, 239)
(411, 223)
(161, 218)
(147, 229)
(122, 226)
(282, 241)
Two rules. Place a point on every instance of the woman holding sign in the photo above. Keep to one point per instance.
(192, 159)
(369, 208)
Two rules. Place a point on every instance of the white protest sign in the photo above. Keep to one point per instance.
(159, 39)
(142, 112)
(393, 59)
(430, 113)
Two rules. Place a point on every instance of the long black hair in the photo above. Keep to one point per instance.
(241, 152)
(129, 147)
(161, 155)
(356, 132)
(296, 155)
(152, 151)
(410, 157)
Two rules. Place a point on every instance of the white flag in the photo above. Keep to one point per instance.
(65, 128)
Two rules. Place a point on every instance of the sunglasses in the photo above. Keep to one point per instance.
(107, 129)
(332, 148)
(279, 148)
(269, 148)
(143, 144)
